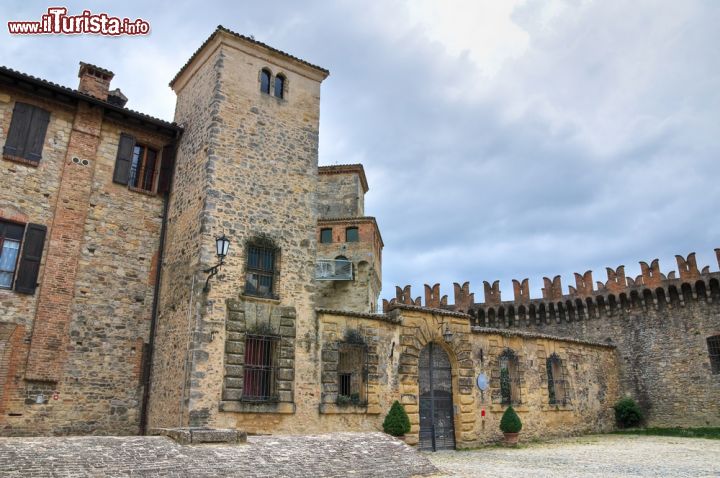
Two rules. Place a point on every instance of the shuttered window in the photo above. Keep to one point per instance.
(141, 167)
(27, 273)
(26, 134)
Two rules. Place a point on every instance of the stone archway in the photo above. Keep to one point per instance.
(437, 417)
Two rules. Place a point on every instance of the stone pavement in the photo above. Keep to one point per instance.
(327, 455)
(595, 456)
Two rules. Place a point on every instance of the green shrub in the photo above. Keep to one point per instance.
(510, 421)
(628, 413)
(396, 422)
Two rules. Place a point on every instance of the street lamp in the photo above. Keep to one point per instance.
(222, 245)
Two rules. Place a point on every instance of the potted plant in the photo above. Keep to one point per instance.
(510, 425)
(396, 421)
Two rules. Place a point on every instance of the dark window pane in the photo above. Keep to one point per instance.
(136, 165)
(352, 235)
(259, 367)
(265, 81)
(713, 344)
(326, 236)
(149, 174)
(279, 86)
(260, 271)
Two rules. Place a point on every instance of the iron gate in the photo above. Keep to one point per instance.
(437, 424)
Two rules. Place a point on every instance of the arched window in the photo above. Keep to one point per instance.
(509, 378)
(713, 344)
(557, 386)
(265, 81)
(280, 86)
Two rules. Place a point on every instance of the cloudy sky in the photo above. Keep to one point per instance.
(502, 139)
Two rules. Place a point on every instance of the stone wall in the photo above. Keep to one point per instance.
(89, 352)
(341, 192)
(661, 339)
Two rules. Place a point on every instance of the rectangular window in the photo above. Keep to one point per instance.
(713, 344)
(351, 373)
(259, 367)
(142, 168)
(326, 236)
(26, 135)
(352, 235)
(509, 379)
(557, 389)
(10, 238)
(260, 271)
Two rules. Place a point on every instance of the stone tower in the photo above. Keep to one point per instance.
(247, 167)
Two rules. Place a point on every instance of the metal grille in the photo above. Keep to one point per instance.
(260, 271)
(437, 421)
(509, 378)
(713, 344)
(259, 370)
(557, 385)
(352, 369)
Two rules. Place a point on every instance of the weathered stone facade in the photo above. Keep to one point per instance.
(71, 352)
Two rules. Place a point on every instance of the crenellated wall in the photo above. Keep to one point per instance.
(659, 323)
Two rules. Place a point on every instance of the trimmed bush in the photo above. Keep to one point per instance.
(628, 413)
(396, 422)
(510, 421)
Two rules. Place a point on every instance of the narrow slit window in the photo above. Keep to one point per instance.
(713, 344)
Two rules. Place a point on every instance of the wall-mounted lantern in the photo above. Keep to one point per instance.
(447, 333)
(222, 245)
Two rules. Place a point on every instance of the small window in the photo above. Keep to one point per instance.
(351, 374)
(10, 238)
(326, 236)
(352, 235)
(280, 86)
(142, 168)
(509, 378)
(26, 135)
(557, 386)
(260, 277)
(265, 81)
(259, 367)
(713, 344)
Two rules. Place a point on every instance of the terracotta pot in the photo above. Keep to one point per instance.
(511, 439)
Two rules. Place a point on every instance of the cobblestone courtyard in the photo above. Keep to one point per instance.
(355, 454)
(592, 456)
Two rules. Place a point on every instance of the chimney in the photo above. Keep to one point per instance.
(94, 80)
(117, 98)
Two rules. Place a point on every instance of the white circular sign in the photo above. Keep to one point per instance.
(482, 382)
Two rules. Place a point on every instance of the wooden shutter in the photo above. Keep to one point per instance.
(32, 250)
(167, 161)
(123, 161)
(18, 131)
(36, 134)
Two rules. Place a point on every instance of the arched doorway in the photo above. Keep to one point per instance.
(437, 424)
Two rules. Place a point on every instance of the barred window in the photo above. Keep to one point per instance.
(260, 367)
(352, 383)
(713, 344)
(260, 276)
(557, 386)
(509, 378)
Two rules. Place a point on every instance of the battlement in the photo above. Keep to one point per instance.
(618, 294)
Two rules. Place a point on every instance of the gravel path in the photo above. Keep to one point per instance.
(590, 456)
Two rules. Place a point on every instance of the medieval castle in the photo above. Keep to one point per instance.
(208, 273)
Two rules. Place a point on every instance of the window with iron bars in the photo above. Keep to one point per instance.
(260, 277)
(557, 385)
(352, 367)
(509, 378)
(260, 368)
(713, 344)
